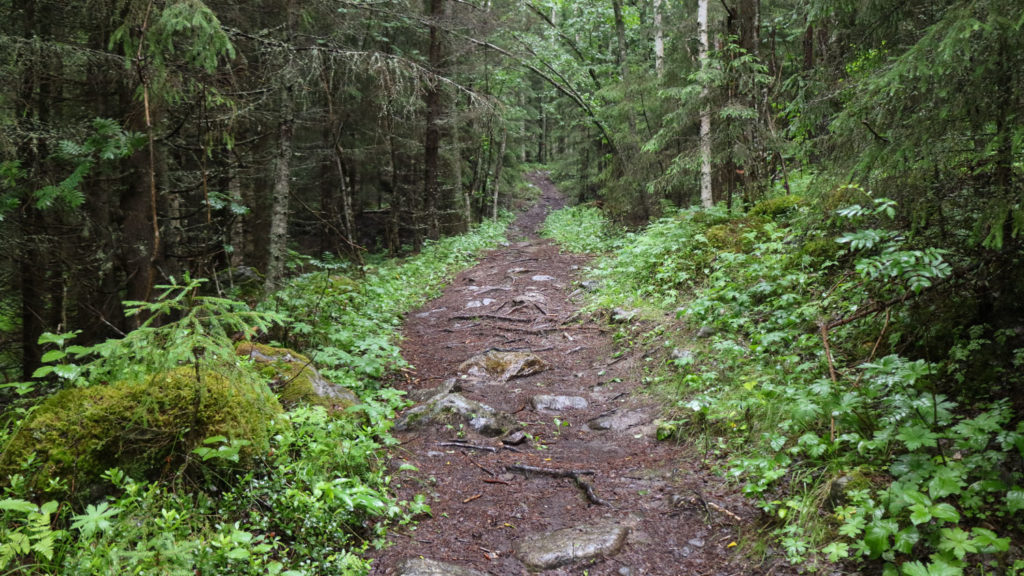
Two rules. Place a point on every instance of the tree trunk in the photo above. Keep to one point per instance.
(278, 246)
(706, 198)
(432, 137)
(497, 173)
(659, 41)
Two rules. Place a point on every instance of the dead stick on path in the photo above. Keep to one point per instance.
(555, 473)
(492, 316)
(471, 446)
(474, 463)
(723, 511)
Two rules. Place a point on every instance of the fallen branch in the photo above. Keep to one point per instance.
(471, 446)
(555, 473)
(492, 316)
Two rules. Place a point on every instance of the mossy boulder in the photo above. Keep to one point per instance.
(146, 429)
(295, 380)
(738, 235)
(778, 206)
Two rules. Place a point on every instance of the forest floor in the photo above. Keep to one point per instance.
(508, 509)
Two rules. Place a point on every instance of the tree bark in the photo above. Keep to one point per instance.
(497, 173)
(659, 41)
(278, 245)
(432, 136)
(706, 198)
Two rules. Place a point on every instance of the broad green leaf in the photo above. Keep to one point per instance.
(16, 505)
(917, 436)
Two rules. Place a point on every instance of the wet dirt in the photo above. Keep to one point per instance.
(485, 503)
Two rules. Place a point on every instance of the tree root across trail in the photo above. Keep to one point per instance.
(547, 464)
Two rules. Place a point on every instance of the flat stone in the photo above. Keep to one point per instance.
(428, 567)
(503, 365)
(558, 403)
(568, 545)
(590, 285)
(480, 303)
(619, 420)
(542, 278)
(528, 297)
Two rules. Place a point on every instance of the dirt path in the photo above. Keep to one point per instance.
(657, 511)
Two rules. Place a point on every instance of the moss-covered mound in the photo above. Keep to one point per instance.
(295, 380)
(146, 429)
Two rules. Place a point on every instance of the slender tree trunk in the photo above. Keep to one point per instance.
(706, 198)
(278, 245)
(461, 192)
(432, 138)
(659, 41)
(497, 173)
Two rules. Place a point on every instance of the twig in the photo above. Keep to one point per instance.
(723, 511)
(576, 349)
(471, 461)
(471, 498)
(472, 446)
(496, 481)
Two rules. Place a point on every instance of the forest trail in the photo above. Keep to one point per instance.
(639, 506)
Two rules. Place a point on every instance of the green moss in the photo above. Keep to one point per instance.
(844, 196)
(735, 235)
(821, 247)
(295, 380)
(777, 206)
(146, 430)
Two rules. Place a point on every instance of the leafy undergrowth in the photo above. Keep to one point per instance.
(796, 371)
(310, 504)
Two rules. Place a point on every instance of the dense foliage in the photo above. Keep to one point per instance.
(857, 265)
(795, 370)
(306, 501)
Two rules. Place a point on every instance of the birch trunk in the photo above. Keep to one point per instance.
(659, 41)
(706, 198)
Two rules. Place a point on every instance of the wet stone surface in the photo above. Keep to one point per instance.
(569, 545)
(558, 403)
(427, 567)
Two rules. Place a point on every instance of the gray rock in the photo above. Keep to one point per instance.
(528, 297)
(452, 406)
(590, 285)
(558, 403)
(480, 303)
(514, 439)
(622, 315)
(427, 567)
(683, 355)
(705, 332)
(696, 542)
(450, 385)
(619, 420)
(542, 278)
(562, 547)
(503, 364)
